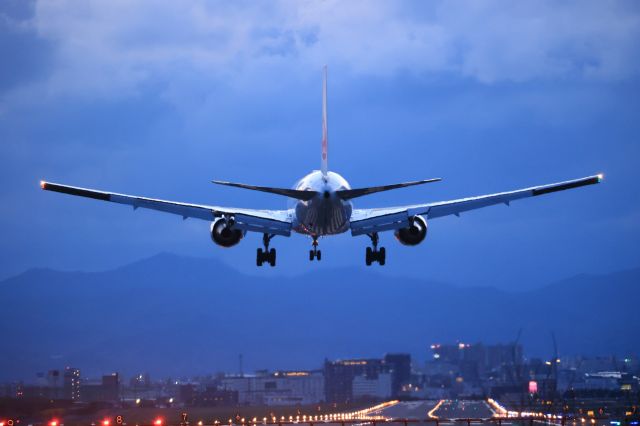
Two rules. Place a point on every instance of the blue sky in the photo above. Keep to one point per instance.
(158, 98)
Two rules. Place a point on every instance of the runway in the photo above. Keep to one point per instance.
(446, 409)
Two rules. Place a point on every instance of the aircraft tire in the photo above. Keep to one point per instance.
(272, 257)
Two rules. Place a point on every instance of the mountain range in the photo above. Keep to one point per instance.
(177, 316)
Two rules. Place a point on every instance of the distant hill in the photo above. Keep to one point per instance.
(172, 315)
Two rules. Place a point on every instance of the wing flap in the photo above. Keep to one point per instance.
(257, 224)
(380, 223)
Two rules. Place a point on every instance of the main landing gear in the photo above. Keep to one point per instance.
(373, 254)
(266, 255)
(315, 253)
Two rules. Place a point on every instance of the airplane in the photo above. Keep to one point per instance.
(323, 207)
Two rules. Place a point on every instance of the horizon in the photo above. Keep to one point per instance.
(279, 273)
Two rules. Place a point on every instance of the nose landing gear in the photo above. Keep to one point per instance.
(373, 254)
(315, 253)
(266, 255)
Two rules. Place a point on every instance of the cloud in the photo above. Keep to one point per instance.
(118, 46)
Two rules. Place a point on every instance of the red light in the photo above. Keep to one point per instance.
(158, 421)
(106, 422)
(53, 422)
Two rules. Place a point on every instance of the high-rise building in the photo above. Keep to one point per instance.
(400, 368)
(339, 375)
(71, 384)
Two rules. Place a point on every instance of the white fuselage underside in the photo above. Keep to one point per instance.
(326, 213)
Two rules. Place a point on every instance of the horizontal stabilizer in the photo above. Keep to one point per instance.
(347, 194)
(293, 193)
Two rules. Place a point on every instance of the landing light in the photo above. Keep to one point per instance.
(600, 176)
(42, 184)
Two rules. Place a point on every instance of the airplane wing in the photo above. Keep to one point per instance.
(366, 221)
(277, 222)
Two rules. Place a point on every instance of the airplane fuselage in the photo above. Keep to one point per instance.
(326, 213)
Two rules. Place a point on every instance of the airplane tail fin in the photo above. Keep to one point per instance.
(347, 194)
(324, 165)
(292, 193)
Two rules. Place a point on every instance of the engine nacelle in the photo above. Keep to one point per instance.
(223, 235)
(413, 234)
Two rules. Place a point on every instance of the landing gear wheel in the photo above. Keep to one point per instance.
(315, 253)
(373, 254)
(259, 257)
(272, 257)
(266, 255)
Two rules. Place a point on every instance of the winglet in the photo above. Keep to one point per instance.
(324, 165)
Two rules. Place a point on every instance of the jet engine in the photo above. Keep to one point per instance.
(222, 233)
(414, 233)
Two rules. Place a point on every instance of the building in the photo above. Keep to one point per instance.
(278, 388)
(339, 375)
(400, 367)
(71, 384)
(367, 388)
(507, 354)
(106, 390)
